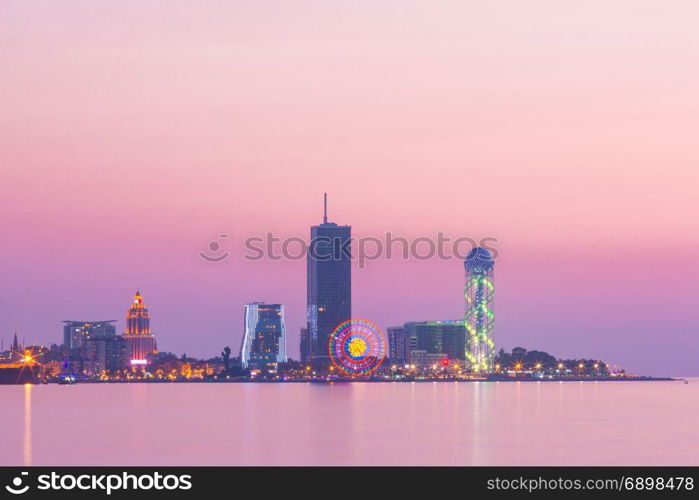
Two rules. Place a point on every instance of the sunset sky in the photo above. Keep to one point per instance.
(135, 132)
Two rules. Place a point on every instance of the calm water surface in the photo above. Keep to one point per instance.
(613, 423)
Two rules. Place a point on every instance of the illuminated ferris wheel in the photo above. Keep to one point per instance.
(357, 347)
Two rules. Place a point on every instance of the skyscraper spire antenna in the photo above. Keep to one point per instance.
(325, 208)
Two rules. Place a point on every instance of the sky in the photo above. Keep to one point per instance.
(133, 133)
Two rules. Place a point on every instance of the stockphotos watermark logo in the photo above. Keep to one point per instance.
(363, 250)
(106, 483)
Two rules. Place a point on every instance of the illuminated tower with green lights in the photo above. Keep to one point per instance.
(480, 317)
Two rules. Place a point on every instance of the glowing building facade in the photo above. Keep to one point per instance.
(396, 344)
(76, 333)
(264, 339)
(108, 353)
(480, 316)
(138, 334)
(425, 342)
(305, 345)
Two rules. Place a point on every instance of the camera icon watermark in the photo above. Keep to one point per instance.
(16, 487)
(214, 252)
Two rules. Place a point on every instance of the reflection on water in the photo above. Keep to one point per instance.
(27, 443)
(519, 423)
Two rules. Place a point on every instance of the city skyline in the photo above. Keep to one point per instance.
(580, 161)
(295, 354)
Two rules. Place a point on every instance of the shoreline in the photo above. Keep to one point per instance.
(352, 381)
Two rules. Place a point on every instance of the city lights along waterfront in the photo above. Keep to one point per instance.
(334, 346)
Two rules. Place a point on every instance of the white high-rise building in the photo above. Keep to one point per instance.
(264, 337)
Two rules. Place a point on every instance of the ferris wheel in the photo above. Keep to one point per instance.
(357, 347)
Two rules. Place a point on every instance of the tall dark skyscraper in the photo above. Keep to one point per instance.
(328, 284)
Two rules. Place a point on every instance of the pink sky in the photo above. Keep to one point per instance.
(134, 132)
